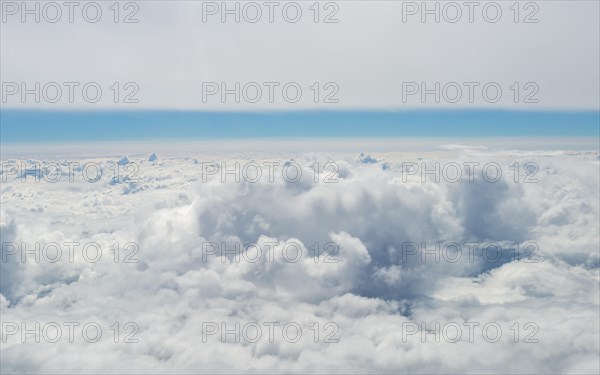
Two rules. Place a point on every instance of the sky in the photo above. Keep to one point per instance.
(56, 126)
(373, 49)
(362, 60)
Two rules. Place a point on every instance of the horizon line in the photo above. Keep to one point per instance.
(20, 125)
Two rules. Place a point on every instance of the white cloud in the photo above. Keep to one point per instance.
(371, 293)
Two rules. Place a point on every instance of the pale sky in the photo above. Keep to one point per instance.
(366, 56)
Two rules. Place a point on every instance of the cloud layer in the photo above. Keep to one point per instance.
(336, 246)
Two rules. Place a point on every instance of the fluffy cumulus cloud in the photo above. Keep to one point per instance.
(306, 263)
